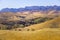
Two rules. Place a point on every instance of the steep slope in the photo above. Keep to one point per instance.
(55, 23)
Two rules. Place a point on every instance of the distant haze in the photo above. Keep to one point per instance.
(23, 3)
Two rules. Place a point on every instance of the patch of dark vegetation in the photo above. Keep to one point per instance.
(21, 24)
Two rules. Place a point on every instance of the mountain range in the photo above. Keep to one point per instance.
(31, 8)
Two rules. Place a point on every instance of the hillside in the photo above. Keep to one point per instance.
(55, 23)
(44, 34)
(12, 20)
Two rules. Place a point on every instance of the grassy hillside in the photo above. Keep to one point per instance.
(55, 23)
(49, 30)
(44, 34)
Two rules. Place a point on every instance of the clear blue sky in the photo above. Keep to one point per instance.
(23, 3)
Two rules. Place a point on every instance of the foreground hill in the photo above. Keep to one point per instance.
(44, 34)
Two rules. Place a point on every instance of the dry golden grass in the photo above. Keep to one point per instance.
(43, 34)
(49, 30)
